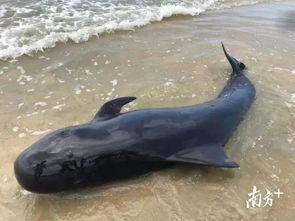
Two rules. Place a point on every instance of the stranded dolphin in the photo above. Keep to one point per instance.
(118, 145)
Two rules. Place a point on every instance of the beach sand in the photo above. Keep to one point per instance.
(175, 62)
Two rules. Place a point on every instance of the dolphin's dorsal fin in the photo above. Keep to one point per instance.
(209, 155)
(112, 108)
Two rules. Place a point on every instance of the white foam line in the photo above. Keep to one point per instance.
(40, 132)
(60, 27)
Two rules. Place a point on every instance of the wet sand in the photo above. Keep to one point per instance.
(175, 62)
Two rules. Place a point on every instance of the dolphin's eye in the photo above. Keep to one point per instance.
(65, 133)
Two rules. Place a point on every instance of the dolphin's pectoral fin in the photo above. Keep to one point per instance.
(209, 155)
(112, 108)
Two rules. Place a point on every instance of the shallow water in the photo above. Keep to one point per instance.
(175, 62)
(32, 25)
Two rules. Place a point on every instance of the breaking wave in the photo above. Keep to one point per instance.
(31, 26)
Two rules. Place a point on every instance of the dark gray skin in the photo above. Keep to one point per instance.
(121, 145)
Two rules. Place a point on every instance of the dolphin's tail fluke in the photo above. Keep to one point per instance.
(237, 66)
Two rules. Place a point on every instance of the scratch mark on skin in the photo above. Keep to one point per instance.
(39, 169)
(73, 165)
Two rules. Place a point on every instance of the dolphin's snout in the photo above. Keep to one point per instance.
(24, 174)
(40, 175)
(31, 176)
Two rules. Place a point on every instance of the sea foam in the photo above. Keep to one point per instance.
(26, 28)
